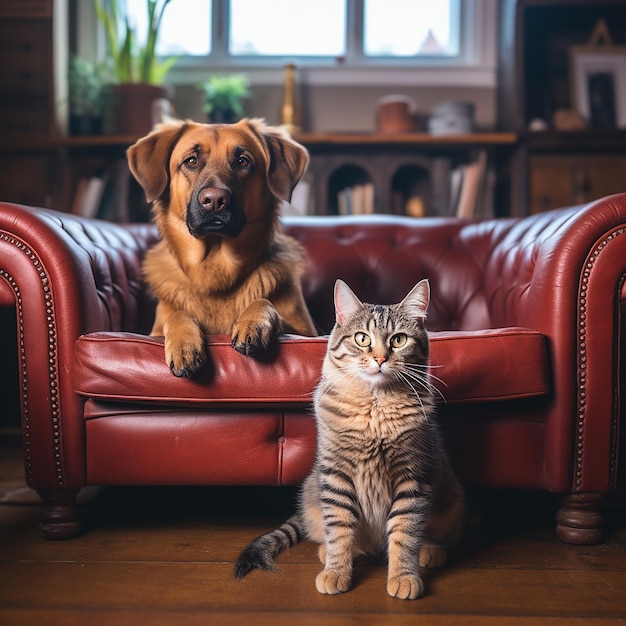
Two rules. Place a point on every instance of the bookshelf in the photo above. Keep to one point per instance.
(393, 170)
(95, 168)
(410, 173)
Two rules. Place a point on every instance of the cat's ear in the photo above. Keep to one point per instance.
(417, 299)
(346, 303)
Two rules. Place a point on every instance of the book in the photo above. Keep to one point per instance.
(356, 200)
(368, 198)
(473, 176)
(300, 196)
(79, 196)
(344, 201)
(456, 183)
(114, 202)
(90, 203)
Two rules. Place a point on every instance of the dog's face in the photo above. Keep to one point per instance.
(216, 178)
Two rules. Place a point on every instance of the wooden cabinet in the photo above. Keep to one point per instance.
(26, 101)
(555, 167)
(403, 170)
(563, 180)
(574, 167)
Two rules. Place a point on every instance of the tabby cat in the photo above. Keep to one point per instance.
(382, 483)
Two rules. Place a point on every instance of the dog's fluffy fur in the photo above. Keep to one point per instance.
(222, 265)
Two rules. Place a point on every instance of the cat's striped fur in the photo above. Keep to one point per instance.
(382, 482)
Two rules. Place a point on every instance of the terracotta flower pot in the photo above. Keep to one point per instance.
(134, 106)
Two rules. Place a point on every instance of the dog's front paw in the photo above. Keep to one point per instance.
(251, 339)
(255, 328)
(185, 352)
(185, 357)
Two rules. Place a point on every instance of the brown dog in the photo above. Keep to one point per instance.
(222, 266)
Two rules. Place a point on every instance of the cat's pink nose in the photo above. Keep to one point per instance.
(380, 360)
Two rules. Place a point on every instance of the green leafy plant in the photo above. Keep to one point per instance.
(85, 87)
(133, 63)
(222, 96)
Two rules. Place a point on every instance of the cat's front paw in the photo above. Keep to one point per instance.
(405, 587)
(432, 555)
(333, 581)
(321, 553)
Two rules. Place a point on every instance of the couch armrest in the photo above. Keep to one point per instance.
(65, 276)
(562, 273)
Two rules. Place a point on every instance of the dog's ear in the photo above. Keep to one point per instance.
(286, 160)
(149, 157)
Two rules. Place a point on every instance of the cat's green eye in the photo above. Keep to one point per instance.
(397, 341)
(363, 340)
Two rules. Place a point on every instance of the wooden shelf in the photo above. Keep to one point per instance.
(577, 140)
(95, 141)
(320, 139)
(421, 139)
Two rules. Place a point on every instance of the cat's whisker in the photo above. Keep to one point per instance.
(425, 383)
(405, 378)
(419, 367)
(425, 367)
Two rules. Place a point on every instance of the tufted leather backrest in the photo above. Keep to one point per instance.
(481, 273)
(116, 254)
(383, 257)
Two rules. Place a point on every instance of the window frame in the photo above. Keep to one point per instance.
(474, 67)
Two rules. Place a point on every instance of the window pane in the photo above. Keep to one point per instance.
(287, 27)
(185, 30)
(420, 27)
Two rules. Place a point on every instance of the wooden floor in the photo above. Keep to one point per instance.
(165, 556)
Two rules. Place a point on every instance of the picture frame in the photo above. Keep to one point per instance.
(598, 84)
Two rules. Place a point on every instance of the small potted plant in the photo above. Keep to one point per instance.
(85, 103)
(222, 97)
(137, 69)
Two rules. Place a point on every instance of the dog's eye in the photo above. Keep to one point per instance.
(191, 161)
(243, 162)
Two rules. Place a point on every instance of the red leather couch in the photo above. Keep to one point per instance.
(526, 321)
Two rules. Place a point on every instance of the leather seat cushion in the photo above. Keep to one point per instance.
(469, 366)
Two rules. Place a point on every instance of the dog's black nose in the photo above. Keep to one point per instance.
(213, 199)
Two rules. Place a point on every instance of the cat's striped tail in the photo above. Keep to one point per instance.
(264, 549)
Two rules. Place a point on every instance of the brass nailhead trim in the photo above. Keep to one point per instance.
(52, 362)
(582, 361)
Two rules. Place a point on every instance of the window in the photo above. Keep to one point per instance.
(343, 41)
(422, 28)
(287, 28)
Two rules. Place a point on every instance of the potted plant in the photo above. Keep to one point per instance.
(138, 71)
(85, 104)
(222, 96)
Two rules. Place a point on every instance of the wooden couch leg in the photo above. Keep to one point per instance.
(579, 519)
(59, 514)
